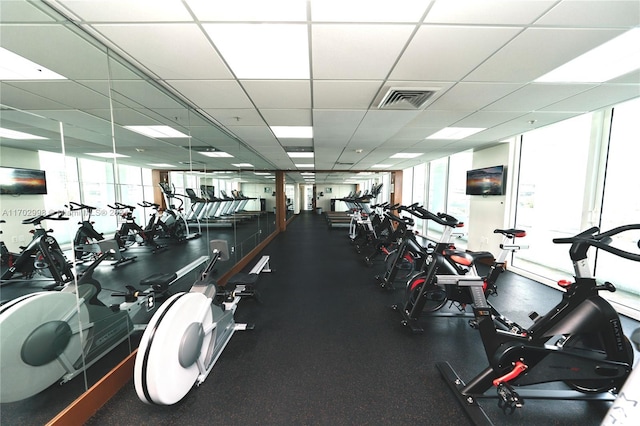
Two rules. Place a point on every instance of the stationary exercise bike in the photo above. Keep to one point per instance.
(131, 233)
(88, 243)
(579, 342)
(43, 255)
(186, 336)
(429, 291)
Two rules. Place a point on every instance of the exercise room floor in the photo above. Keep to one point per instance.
(327, 349)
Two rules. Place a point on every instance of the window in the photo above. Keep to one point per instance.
(551, 188)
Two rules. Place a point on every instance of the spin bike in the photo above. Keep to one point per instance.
(88, 243)
(131, 233)
(43, 255)
(429, 291)
(51, 337)
(188, 333)
(579, 342)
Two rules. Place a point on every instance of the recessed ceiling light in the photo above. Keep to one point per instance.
(607, 61)
(381, 166)
(160, 165)
(107, 154)
(14, 134)
(292, 131)
(243, 165)
(406, 155)
(300, 154)
(15, 67)
(157, 131)
(262, 173)
(304, 165)
(308, 174)
(455, 133)
(216, 154)
(263, 51)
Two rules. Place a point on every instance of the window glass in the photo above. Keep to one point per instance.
(550, 193)
(621, 202)
(457, 201)
(407, 186)
(437, 195)
(98, 190)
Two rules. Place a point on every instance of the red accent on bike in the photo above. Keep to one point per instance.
(564, 283)
(518, 369)
(484, 286)
(384, 250)
(417, 283)
(461, 260)
(520, 234)
(408, 257)
(460, 225)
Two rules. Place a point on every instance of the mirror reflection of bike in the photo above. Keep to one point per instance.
(42, 256)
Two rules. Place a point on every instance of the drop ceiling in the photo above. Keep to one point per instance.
(179, 63)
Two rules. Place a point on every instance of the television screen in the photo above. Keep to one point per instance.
(485, 181)
(22, 181)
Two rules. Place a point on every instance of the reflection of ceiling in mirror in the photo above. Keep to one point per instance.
(184, 66)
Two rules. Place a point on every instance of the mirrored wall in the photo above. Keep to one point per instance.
(88, 129)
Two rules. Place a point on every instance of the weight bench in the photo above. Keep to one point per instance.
(244, 283)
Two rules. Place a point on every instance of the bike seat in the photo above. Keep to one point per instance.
(467, 258)
(159, 281)
(517, 233)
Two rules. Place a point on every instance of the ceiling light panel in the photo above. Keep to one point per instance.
(300, 154)
(299, 132)
(157, 131)
(15, 67)
(368, 10)
(455, 133)
(107, 154)
(406, 155)
(250, 10)
(606, 62)
(216, 154)
(14, 134)
(263, 51)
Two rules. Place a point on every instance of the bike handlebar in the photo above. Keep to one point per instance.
(73, 206)
(119, 206)
(581, 242)
(52, 216)
(441, 218)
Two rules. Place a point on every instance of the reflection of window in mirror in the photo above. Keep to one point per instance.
(327, 190)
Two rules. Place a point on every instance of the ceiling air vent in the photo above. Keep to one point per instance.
(405, 98)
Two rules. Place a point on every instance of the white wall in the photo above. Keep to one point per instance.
(490, 212)
(14, 209)
(337, 191)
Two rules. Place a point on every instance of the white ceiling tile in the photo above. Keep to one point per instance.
(287, 94)
(488, 119)
(594, 14)
(368, 10)
(141, 93)
(473, 96)
(128, 11)
(67, 92)
(25, 100)
(590, 100)
(236, 117)
(206, 94)
(536, 96)
(344, 94)
(287, 117)
(171, 51)
(448, 53)
(552, 47)
(350, 52)
(249, 10)
(432, 118)
(22, 11)
(41, 44)
(491, 12)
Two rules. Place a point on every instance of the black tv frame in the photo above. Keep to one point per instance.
(19, 181)
(486, 181)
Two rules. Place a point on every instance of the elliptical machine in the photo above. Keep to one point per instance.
(43, 255)
(579, 342)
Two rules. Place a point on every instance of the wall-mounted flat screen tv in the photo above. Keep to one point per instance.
(486, 181)
(16, 181)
